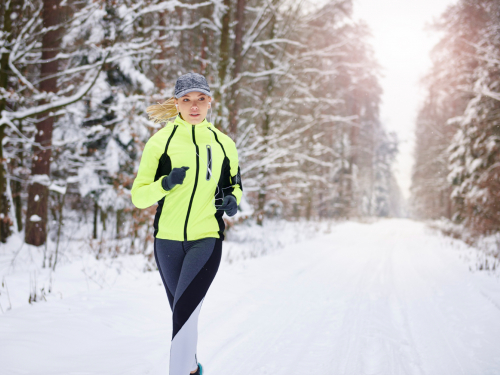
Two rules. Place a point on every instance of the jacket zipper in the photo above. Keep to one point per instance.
(194, 188)
(209, 163)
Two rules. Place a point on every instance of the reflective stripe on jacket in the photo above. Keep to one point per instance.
(187, 211)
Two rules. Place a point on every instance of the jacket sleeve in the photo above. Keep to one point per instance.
(235, 187)
(145, 190)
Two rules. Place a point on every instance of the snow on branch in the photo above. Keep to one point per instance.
(487, 92)
(20, 115)
(277, 40)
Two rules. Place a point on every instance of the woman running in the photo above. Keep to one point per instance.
(191, 169)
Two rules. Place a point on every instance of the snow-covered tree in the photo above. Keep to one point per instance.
(321, 107)
(456, 173)
(296, 88)
(475, 149)
(33, 96)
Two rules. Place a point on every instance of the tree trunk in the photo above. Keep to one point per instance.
(16, 189)
(96, 215)
(238, 45)
(308, 201)
(159, 80)
(5, 221)
(205, 42)
(265, 133)
(119, 222)
(60, 199)
(354, 159)
(38, 191)
(223, 60)
(263, 175)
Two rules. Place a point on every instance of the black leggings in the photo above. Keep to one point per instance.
(187, 269)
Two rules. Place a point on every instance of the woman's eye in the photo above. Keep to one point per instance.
(202, 98)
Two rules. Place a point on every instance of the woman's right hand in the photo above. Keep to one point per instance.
(176, 177)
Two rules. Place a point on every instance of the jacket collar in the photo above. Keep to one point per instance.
(204, 124)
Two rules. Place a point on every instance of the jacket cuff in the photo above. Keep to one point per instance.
(164, 183)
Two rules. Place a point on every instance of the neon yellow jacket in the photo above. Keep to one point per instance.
(187, 211)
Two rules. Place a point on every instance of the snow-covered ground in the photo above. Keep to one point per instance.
(390, 297)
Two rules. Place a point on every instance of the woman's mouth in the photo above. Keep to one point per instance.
(194, 114)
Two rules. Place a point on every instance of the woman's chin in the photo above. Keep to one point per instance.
(195, 120)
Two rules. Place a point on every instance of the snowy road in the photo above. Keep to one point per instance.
(384, 298)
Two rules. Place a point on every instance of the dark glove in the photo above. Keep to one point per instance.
(174, 178)
(229, 205)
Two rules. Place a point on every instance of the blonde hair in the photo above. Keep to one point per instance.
(161, 112)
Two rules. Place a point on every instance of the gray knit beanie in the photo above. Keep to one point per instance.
(191, 82)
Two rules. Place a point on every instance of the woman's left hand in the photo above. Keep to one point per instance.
(229, 205)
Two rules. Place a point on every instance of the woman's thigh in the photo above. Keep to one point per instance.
(199, 268)
(169, 256)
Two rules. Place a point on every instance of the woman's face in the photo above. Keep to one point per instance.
(193, 106)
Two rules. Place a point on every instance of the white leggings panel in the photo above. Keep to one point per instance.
(183, 346)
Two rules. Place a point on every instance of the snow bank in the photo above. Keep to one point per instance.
(85, 265)
(482, 253)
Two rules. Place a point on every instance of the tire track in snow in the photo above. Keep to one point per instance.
(377, 330)
(431, 277)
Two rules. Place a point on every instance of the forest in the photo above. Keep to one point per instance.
(295, 85)
(328, 266)
(457, 155)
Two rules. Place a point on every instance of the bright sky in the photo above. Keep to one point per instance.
(402, 47)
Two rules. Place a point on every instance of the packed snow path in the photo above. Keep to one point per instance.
(383, 298)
